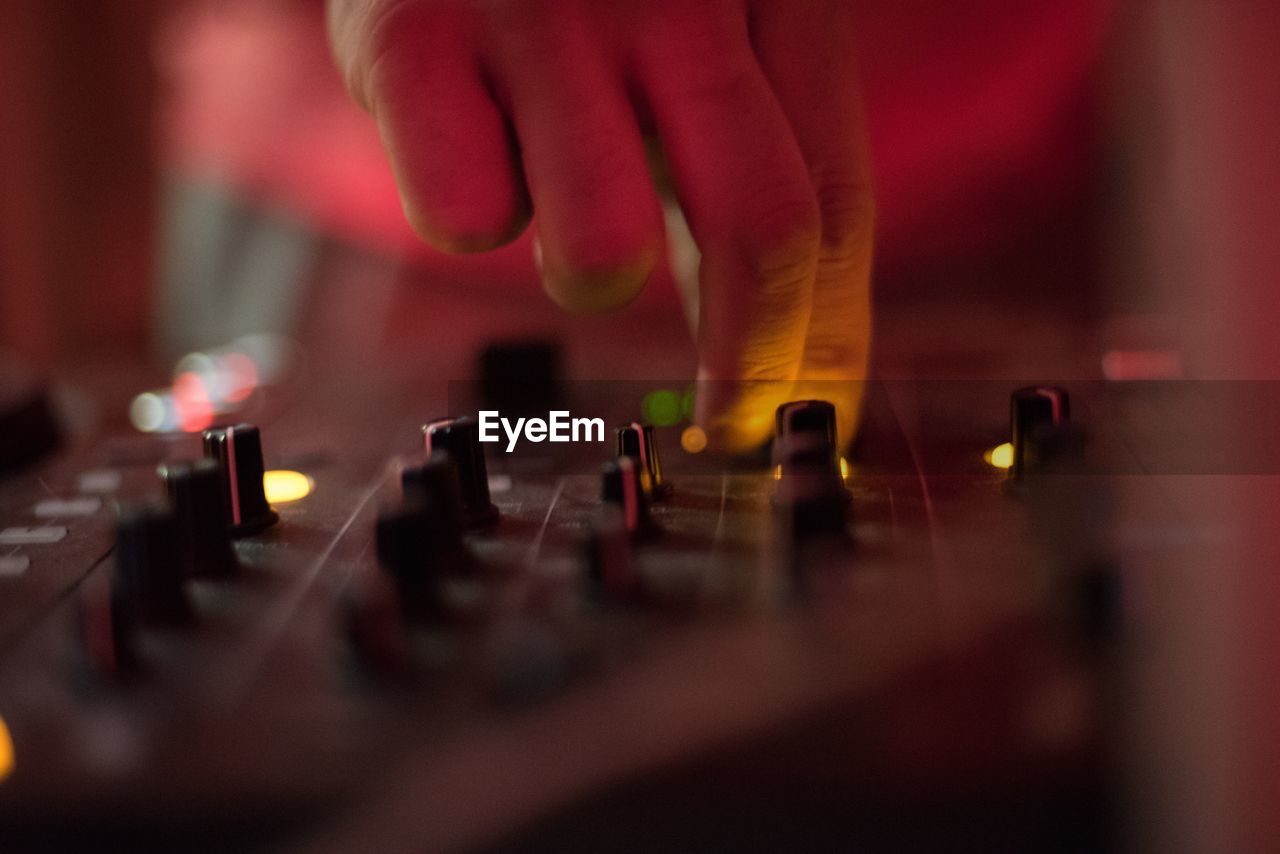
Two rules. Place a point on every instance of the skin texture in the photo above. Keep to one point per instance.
(491, 109)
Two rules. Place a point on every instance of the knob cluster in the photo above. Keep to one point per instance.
(160, 545)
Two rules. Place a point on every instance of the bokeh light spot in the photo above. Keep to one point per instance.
(283, 486)
(693, 439)
(1001, 456)
(661, 408)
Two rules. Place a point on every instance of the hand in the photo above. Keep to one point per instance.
(490, 109)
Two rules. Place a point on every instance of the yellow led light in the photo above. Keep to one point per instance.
(693, 440)
(1001, 456)
(777, 472)
(282, 486)
(844, 469)
(6, 750)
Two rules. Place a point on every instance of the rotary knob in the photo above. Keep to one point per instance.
(636, 441)
(149, 573)
(28, 426)
(435, 480)
(1035, 411)
(422, 551)
(611, 573)
(238, 452)
(811, 494)
(460, 439)
(621, 487)
(195, 495)
(806, 428)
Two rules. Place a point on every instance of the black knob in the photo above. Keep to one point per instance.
(421, 549)
(149, 573)
(435, 480)
(104, 631)
(460, 439)
(811, 492)
(621, 487)
(195, 495)
(28, 427)
(636, 441)
(238, 451)
(611, 572)
(806, 425)
(1035, 411)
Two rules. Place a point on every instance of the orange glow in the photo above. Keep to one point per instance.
(693, 440)
(6, 750)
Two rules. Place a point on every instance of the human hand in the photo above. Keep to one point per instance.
(490, 109)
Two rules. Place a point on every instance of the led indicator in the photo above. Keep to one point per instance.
(282, 486)
(661, 408)
(1001, 456)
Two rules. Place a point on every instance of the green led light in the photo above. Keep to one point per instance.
(686, 404)
(661, 408)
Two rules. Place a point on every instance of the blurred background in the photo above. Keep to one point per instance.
(177, 175)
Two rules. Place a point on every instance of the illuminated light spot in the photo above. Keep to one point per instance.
(238, 376)
(283, 486)
(200, 364)
(152, 412)
(192, 403)
(6, 750)
(844, 469)
(1001, 456)
(777, 472)
(661, 408)
(693, 440)
(687, 402)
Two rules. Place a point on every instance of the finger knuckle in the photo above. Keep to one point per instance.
(847, 210)
(780, 241)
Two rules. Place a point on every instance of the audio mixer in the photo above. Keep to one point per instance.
(331, 617)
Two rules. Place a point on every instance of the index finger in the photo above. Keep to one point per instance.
(742, 182)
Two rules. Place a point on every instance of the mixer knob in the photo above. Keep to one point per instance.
(806, 425)
(436, 480)
(195, 494)
(460, 439)
(104, 631)
(238, 451)
(621, 487)
(811, 493)
(636, 441)
(373, 627)
(28, 426)
(421, 549)
(611, 572)
(148, 570)
(1034, 410)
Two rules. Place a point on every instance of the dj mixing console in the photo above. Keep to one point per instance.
(440, 644)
